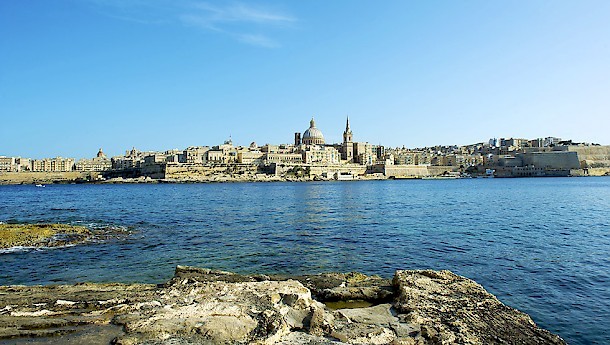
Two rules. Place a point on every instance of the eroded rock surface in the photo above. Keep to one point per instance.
(202, 306)
(450, 309)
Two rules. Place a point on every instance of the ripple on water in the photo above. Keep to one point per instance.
(540, 245)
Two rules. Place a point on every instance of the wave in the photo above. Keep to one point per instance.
(16, 249)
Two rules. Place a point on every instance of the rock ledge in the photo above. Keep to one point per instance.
(203, 306)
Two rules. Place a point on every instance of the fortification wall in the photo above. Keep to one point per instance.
(331, 170)
(591, 172)
(185, 171)
(592, 156)
(416, 170)
(554, 160)
(45, 177)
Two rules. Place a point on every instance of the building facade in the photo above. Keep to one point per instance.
(57, 164)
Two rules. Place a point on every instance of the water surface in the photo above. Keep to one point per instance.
(541, 245)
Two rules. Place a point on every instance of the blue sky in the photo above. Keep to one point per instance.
(77, 75)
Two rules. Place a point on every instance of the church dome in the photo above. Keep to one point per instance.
(312, 135)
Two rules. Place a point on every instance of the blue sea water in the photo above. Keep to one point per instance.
(540, 245)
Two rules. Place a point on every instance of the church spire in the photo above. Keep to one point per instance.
(347, 135)
(347, 149)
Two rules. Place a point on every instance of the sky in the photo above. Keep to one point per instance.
(79, 75)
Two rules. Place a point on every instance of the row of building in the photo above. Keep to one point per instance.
(310, 148)
(57, 164)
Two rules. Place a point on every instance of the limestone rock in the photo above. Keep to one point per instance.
(452, 309)
(222, 312)
(203, 306)
(371, 325)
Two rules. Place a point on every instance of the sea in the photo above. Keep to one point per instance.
(541, 245)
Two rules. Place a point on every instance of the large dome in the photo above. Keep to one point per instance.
(312, 135)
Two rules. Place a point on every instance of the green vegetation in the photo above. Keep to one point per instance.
(35, 235)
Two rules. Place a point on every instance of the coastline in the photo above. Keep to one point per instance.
(201, 305)
(82, 178)
(85, 178)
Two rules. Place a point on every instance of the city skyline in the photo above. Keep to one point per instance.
(491, 142)
(157, 75)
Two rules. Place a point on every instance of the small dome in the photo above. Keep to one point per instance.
(312, 135)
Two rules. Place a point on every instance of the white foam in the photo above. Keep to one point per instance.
(16, 249)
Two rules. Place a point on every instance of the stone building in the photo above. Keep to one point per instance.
(325, 155)
(98, 163)
(23, 164)
(250, 157)
(363, 153)
(7, 163)
(196, 154)
(133, 159)
(283, 158)
(57, 164)
(225, 153)
(15, 164)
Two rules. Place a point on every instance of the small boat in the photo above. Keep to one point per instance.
(40, 185)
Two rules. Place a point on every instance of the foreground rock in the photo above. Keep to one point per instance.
(200, 306)
(449, 309)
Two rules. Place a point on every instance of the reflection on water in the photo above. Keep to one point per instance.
(540, 245)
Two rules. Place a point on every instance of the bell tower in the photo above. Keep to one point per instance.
(348, 145)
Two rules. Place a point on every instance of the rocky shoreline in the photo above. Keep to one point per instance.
(203, 306)
(88, 178)
(219, 178)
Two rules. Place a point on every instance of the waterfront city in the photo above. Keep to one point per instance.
(309, 157)
(196, 172)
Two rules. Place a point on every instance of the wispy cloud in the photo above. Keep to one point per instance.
(258, 40)
(240, 21)
(241, 13)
